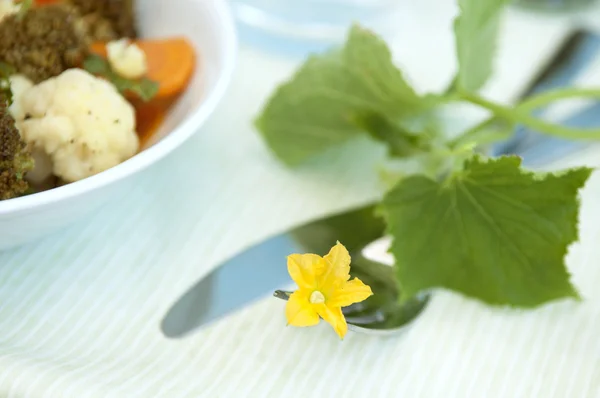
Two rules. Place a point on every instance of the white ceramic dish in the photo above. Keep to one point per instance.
(208, 24)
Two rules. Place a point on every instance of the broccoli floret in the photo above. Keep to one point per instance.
(15, 160)
(108, 19)
(44, 42)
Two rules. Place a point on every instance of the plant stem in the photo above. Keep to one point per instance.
(471, 133)
(517, 116)
(550, 96)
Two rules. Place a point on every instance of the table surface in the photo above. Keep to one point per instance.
(80, 311)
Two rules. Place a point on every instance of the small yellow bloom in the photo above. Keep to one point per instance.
(323, 289)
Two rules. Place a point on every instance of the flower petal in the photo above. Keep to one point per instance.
(302, 269)
(333, 316)
(352, 292)
(339, 258)
(299, 311)
(336, 270)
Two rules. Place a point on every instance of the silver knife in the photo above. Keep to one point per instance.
(260, 270)
(232, 285)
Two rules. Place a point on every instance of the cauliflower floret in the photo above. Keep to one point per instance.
(81, 122)
(127, 59)
(19, 84)
(8, 7)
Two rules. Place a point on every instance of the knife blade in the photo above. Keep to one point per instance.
(260, 270)
(233, 284)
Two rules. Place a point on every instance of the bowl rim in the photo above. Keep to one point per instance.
(149, 156)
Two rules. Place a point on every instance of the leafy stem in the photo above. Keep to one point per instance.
(550, 96)
(483, 133)
(519, 116)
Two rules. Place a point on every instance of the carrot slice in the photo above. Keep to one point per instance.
(171, 62)
(149, 116)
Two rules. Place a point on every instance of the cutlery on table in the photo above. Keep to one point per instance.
(235, 284)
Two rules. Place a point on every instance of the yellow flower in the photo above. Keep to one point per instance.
(323, 289)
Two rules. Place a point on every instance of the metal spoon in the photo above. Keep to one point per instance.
(376, 322)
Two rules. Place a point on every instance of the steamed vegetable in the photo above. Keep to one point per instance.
(15, 160)
(81, 122)
(42, 43)
(108, 19)
(171, 63)
(127, 59)
(71, 111)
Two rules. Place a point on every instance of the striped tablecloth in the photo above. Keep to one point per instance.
(80, 311)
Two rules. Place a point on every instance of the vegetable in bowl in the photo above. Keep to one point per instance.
(76, 101)
(42, 42)
(15, 160)
(163, 124)
(108, 20)
(82, 138)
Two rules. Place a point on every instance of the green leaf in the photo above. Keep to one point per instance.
(400, 142)
(491, 231)
(319, 107)
(95, 64)
(145, 88)
(476, 32)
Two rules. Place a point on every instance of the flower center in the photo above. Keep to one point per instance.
(317, 297)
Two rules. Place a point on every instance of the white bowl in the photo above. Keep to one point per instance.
(208, 24)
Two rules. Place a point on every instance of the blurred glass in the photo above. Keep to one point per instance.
(307, 25)
(554, 5)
